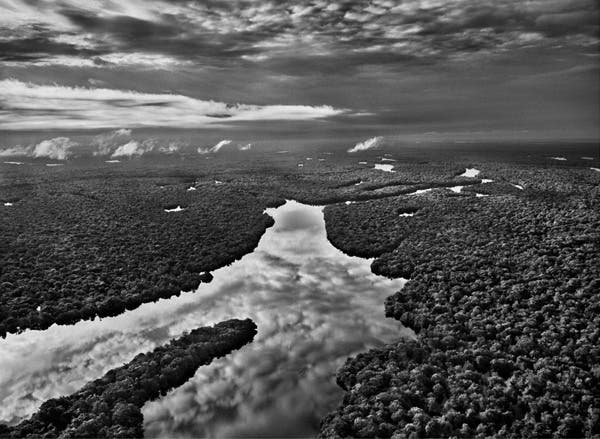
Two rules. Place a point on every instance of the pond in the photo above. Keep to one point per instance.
(470, 172)
(386, 168)
(314, 306)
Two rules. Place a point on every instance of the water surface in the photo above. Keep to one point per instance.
(314, 306)
(386, 168)
(470, 172)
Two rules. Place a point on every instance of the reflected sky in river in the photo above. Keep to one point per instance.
(313, 305)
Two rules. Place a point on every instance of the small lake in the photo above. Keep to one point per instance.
(314, 306)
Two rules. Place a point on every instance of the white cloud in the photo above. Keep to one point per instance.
(17, 13)
(373, 142)
(255, 58)
(116, 143)
(58, 60)
(30, 106)
(58, 148)
(104, 144)
(220, 145)
(128, 149)
(170, 148)
(154, 61)
(215, 148)
(15, 151)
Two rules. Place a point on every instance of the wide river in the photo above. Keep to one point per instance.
(314, 306)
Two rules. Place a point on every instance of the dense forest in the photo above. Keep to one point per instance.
(83, 245)
(87, 240)
(503, 295)
(503, 289)
(110, 407)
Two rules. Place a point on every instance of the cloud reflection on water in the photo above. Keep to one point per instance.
(313, 305)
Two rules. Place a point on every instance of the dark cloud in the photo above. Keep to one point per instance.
(566, 23)
(174, 35)
(37, 47)
(213, 31)
(302, 64)
(123, 28)
(403, 61)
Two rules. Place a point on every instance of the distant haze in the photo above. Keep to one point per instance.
(418, 70)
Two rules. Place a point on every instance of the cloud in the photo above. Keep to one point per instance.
(159, 34)
(215, 148)
(58, 148)
(222, 144)
(14, 151)
(116, 143)
(372, 143)
(438, 57)
(128, 149)
(30, 106)
(111, 60)
(170, 148)
(104, 144)
(151, 60)
(154, 145)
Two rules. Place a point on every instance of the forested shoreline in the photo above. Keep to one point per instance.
(503, 274)
(110, 406)
(503, 295)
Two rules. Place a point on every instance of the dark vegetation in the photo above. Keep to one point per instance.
(503, 289)
(504, 297)
(84, 243)
(376, 226)
(110, 407)
(89, 239)
(340, 184)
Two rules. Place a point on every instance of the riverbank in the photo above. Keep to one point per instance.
(110, 406)
(477, 267)
(292, 286)
(503, 296)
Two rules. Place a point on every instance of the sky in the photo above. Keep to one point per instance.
(415, 69)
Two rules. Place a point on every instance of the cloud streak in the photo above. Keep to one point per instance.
(372, 143)
(30, 106)
(217, 147)
(224, 144)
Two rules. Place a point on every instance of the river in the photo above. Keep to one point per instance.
(314, 306)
